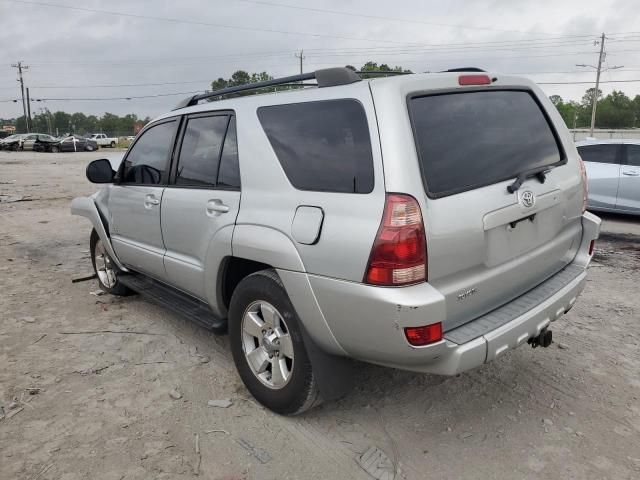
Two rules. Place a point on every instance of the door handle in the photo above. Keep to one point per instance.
(632, 173)
(216, 206)
(150, 200)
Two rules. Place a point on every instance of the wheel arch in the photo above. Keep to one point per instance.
(86, 207)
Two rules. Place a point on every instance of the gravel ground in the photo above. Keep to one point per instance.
(87, 383)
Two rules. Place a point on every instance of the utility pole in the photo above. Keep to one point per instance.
(598, 69)
(20, 68)
(594, 105)
(301, 57)
(30, 122)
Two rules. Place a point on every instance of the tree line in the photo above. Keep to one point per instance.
(616, 110)
(60, 123)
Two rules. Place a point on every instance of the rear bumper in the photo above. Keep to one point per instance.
(367, 322)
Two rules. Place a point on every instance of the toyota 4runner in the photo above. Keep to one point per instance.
(427, 222)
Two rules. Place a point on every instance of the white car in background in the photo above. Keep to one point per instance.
(613, 172)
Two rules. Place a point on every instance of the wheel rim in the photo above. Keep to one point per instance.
(104, 266)
(267, 344)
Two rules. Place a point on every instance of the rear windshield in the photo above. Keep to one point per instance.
(471, 139)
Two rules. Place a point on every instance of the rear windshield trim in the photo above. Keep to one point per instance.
(466, 188)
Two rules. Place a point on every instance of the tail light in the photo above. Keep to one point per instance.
(420, 336)
(399, 253)
(585, 184)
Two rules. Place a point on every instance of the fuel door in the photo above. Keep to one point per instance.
(307, 224)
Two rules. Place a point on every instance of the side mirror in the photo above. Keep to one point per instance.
(99, 171)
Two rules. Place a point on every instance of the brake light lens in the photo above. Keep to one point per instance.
(585, 184)
(420, 336)
(474, 80)
(399, 253)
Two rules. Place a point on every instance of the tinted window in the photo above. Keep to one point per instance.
(147, 159)
(605, 153)
(633, 155)
(322, 146)
(229, 174)
(200, 151)
(467, 140)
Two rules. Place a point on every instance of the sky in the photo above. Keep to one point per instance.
(106, 50)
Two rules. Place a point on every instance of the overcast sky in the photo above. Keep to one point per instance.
(75, 53)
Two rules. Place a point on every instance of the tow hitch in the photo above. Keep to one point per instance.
(543, 340)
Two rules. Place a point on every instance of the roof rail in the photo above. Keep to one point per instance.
(327, 77)
(382, 72)
(464, 69)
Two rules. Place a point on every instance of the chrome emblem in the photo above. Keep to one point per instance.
(528, 199)
(467, 293)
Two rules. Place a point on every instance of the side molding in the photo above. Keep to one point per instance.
(86, 207)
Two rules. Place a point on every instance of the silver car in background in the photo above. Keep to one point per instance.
(613, 172)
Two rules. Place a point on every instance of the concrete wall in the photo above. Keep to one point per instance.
(582, 133)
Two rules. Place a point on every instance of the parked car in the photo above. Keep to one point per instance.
(613, 170)
(428, 222)
(12, 142)
(103, 141)
(38, 142)
(73, 143)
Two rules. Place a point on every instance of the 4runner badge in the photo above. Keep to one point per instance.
(528, 199)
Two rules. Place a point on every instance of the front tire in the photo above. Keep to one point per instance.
(113, 144)
(267, 346)
(106, 271)
(55, 149)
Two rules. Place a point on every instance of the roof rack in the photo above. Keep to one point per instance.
(327, 77)
(464, 69)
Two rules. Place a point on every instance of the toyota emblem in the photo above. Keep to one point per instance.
(528, 199)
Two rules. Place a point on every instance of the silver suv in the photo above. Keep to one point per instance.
(427, 222)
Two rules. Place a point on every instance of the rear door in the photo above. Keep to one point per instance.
(134, 202)
(602, 162)
(487, 245)
(629, 187)
(201, 202)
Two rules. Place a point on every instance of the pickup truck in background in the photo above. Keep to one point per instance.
(104, 141)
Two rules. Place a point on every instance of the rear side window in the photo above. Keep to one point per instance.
(200, 151)
(229, 172)
(604, 153)
(472, 139)
(322, 146)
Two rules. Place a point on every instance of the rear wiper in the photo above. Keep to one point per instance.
(540, 173)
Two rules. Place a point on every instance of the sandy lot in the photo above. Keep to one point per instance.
(85, 380)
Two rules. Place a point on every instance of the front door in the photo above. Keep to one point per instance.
(200, 204)
(629, 189)
(134, 202)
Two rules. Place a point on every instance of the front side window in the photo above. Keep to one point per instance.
(148, 158)
(603, 153)
(200, 151)
(322, 146)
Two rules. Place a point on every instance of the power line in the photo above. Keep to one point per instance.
(202, 23)
(386, 19)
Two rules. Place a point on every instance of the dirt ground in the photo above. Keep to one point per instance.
(85, 380)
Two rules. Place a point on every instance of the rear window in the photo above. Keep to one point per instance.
(322, 146)
(472, 139)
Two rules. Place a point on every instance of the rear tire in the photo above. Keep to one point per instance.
(112, 144)
(263, 322)
(105, 269)
(55, 149)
